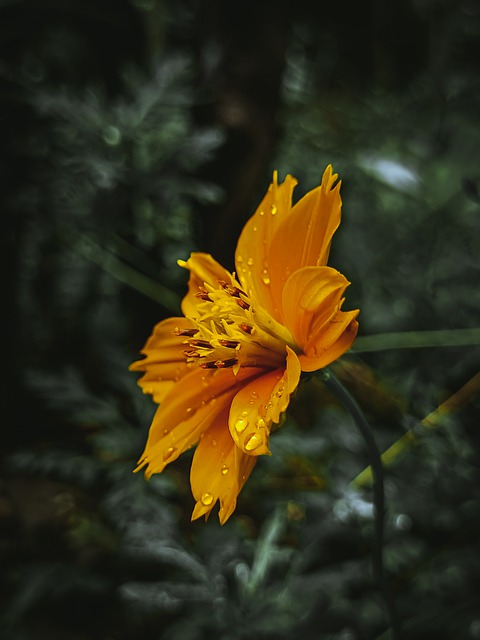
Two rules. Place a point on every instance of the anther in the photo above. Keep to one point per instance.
(208, 365)
(202, 294)
(204, 344)
(230, 289)
(244, 305)
(230, 344)
(191, 353)
(224, 364)
(185, 332)
(246, 328)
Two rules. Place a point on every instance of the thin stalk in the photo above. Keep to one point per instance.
(378, 570)
(417, 340)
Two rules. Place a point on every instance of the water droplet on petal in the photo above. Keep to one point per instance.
(207, 499)
(262, 212)
(273, 209)
(224, 469)
(260, 423)
(255, 228)
(254, 394)
(241, 424)
(265, 277)
(252, 441)
(214, 443)
(239, 259)
(280, 391)
(250, 262)
(169, 453)
(245, 413)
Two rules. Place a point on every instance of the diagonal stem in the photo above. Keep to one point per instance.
(378, 570)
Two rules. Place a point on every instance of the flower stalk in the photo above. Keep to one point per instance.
(376, 466)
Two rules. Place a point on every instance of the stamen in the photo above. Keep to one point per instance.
(246, 327)
(230, 289)
(191, 353)
(209, 365)
(244, 305)
(224, 364)
(202, 294)
(204, 344)
(230, 344)
(185, 332)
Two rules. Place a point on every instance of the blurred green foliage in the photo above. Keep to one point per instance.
(136, 132)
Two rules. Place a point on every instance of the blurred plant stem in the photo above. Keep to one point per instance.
(351, 405)
(417, 339)
(454, 403)
(128, 275)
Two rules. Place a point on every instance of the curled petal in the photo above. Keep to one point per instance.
(219, 470)
(320, 355)
(259, 404)
(164, 363)
(254, 244)
(203, 270)
(311, 297)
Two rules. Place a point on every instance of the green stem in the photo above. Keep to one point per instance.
(417, 339)
(349, 402)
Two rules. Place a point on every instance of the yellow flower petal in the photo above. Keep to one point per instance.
(219, 470)
(320, 357)
(203, 270)
(253, 248)
(310, 297)
(164, 363)
(186, 413)
(259, 403)
(304, 236)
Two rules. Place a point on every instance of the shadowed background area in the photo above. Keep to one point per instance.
(136, 131)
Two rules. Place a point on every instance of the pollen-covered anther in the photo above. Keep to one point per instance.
(191, 353)
(246, 328)
(229, 344)
(224, 364)
(204, 344)
(219, 364)
(235, 292)
(208, 365)
(202, 294)
(185, 332)
(243, 304)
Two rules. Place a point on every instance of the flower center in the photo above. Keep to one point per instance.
(229, 331)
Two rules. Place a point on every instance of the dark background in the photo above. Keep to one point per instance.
(133, 132)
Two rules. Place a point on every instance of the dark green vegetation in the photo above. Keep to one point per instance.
(135, 132)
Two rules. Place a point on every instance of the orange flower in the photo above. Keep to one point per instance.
(224, 373)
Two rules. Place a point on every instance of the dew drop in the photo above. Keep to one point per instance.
(250, 262)
(273, 209)
(241, 424)
(254, 394)
(224, 469)
(255, 228)
(169, 453)
(214, 443)
(280, 391)
(265, 277)
(189, 409)
(239, 259)
(252, 441)
(207, 499)
(166, 432)
(260, 423)
(262, 212)
(245, 413)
